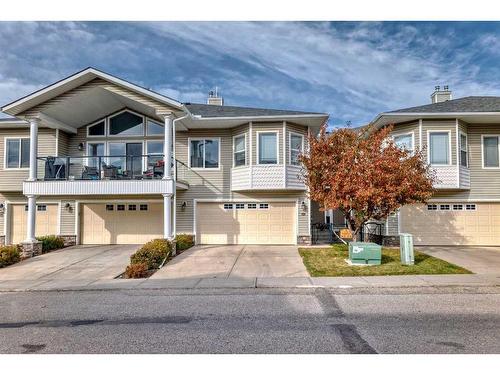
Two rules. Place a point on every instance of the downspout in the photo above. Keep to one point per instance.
(174, 177)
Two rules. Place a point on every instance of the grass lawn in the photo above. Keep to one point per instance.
(330, 261)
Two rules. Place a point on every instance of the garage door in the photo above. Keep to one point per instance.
(452, 224)
(246, 223)
(124, 223)
(46, 221)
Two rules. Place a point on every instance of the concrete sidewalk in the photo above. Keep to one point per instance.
(491, 280)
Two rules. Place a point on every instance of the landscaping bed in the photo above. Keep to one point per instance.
(330, 261)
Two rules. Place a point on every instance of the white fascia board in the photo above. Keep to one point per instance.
(91, 73)
(432, 114)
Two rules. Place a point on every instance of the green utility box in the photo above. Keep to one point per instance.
(406, 249)
(365, 253)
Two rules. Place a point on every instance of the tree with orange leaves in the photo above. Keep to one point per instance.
(364, 174)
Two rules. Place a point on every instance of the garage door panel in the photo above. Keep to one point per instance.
(246, 226)
(461, 227)
(46, 221)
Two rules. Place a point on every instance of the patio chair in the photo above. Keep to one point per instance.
(90, 173)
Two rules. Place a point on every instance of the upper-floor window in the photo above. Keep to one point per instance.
(404, 141)
(439, 148)
(97, 130)
(490, 151)
(155, 128)
(239, 150)
(267, 148)
(126, 124)
(296, 147)
(463, 150)
(204, 153)
(17, 153)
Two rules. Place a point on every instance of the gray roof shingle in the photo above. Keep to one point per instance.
(208, 110)
(466, 104)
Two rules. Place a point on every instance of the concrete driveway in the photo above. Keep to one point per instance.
(478, 259)
(235, 261)
(84, 262)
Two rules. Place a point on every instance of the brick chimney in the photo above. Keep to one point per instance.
(214, 97)
(439, 95)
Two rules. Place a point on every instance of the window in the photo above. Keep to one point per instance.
(143, 207)
(155, 128)
(94, 150)
(228, 206)
(127, 157)
(470, 207)
(126, 124)
(155, 152)
(96, 130)
(132, 207)
(204, 153)
(252, 206)
(296, 148)
(264, 206)
(432, 207)
(463, 150)
(41, 207)
(490, 152)
(444, 207)
(404, 141)
(458, 207)
(120, 207)
(239, 150)
(268, 148)
(240, 206)
(17, 152)
(110, 207)
(439, 148)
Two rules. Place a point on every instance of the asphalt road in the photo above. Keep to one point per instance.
(422, 320)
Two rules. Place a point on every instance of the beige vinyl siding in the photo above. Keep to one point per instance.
(12, 179)
(67, 217)
(441, 125)
(64, 139)
(392, 226)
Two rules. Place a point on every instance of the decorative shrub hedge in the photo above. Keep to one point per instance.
(9, 255)
(136, 271)
(152, 253)
(184, 241)
(51, 242)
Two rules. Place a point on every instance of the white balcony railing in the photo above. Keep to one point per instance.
(266, 177)
(451, 177)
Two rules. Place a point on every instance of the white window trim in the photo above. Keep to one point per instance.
(290, 146)
(450, 156)
(399, 134)
(460, 149)
(105, 120)
(203, 139)
(108, 128)
(234, 150)
(482, 149)
(5, 166)
(277, 145)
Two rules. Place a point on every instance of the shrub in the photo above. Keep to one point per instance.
(136, 271)
(184, 241)
(9, 255)
(51, 243)
(152, 253)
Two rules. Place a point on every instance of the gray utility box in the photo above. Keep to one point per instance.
(365, 253)
(406, 249)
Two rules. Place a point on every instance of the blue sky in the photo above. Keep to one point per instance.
(351, 70)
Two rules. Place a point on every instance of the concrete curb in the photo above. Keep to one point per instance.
(474, 280)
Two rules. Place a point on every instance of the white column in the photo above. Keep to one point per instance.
(34, 122)
(31, 224)
(167, 146)
(167, 216)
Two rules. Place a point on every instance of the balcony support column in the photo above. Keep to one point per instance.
(167, 220)
(167, 146)
(31, 246)
(34, 123)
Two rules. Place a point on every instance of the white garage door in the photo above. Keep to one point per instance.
(246, 223)
(452, 224)
(122, 223)
(46, 221)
